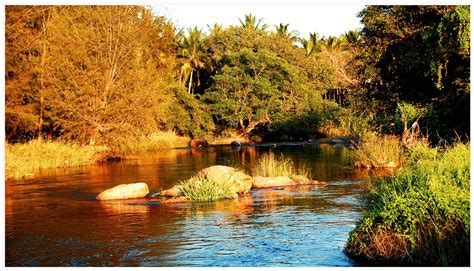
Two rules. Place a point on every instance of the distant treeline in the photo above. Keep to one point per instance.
(108, 74)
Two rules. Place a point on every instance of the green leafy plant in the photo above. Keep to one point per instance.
(205, 189)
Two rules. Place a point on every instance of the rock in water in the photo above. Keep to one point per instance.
(235, 143)
(242, 180)
(174, 191)
(125, 191)
(261, 182)
(198, 143)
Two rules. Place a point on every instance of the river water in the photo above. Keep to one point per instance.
(54, 219)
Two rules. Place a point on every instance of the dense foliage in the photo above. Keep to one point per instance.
(421, 214)
(112, 75)
(418, 55)
(94, 77)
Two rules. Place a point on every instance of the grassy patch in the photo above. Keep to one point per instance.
(270, 166)
(26, 160)
(155, 141)
(205, 189)
(379, 151)
(421, 214)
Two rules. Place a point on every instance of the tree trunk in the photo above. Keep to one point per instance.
(190, 81)
(40, 124)
(41, 90)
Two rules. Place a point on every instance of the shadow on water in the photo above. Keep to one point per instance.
(54, 220)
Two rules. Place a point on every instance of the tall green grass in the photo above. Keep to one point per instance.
(270, 166)
(26, 160)
(379, 151)
(205, 189)
(421, 214)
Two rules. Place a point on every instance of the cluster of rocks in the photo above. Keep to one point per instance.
(242, 181)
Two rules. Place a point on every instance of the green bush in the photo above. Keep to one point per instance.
(205, 189)
(421, 214)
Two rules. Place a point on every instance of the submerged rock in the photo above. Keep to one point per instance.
(263, 182)
(125, 191)
(175, 200)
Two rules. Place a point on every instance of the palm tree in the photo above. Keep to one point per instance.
(282, 30)
(250, 22)
(312, 44)
(192, 51)
(352, 36)
(215, 29)
(349, 39)
(331, 43)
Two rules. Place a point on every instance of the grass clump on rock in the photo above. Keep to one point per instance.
(270, 166)
(208, 189)
(420, 215)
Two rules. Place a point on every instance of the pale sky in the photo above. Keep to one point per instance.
(303, 16)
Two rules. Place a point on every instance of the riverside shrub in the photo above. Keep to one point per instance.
(421, 214)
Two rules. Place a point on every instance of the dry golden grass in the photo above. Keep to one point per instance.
(270, 166)
(26, 160)
(379, 151)
(155, 141)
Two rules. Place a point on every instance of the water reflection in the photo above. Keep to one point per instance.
(119, 207)
(54, 220)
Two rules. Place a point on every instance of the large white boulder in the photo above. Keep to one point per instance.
(125, 191)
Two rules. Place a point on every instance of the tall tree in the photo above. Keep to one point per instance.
(192, 51)
(26, 80)
(282, 29)
(255, 88)
(106, 73)
(250, 21)
(312, 44)
(417, 54)
(338, 57)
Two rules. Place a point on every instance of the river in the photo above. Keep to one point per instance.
(54, 219)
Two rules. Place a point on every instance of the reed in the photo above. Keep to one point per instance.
(270, 166)
(379, 151)
(26, 160)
